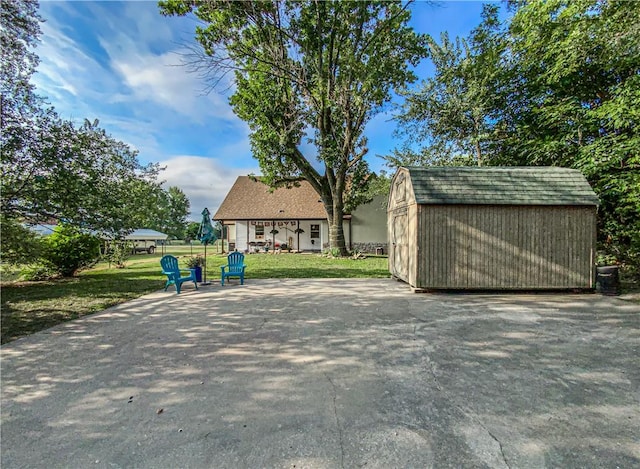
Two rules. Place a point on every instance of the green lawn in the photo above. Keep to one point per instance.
(28, 307)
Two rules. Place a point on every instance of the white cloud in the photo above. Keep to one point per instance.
(119, 62)
(163, 80)
(205, 181)
(146, 55)
(62, 63)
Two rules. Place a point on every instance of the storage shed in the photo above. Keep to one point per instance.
(492, 228)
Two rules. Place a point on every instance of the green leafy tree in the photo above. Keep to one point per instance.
(80, 175)
(21, 107)
(144, 207)
(579, 104)
(191, 231)
(316, 70)
(451, 116)
(162, 210)
(558, 85)
(52, 169)
(175, 210)
(117, 252)
(379, 184)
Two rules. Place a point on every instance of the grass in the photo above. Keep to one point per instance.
(28, 307)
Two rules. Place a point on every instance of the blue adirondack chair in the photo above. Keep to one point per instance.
(234, 268)
(172, 271)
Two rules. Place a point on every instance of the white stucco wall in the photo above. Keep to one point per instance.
(231, 232)
(240, 235)
(286, 233)
(368, 225)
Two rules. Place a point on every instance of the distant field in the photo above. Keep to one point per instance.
(27, 307)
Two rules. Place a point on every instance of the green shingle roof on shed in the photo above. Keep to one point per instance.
(501, 186)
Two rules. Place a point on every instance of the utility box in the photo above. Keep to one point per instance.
(608, 280)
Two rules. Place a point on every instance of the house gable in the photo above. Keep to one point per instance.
(250, 199)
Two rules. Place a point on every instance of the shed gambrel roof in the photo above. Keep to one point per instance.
(501, 186)
(249, 199)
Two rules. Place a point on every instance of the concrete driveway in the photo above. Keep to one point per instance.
(329, 374)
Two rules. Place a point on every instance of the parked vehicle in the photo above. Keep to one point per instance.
(143, 246)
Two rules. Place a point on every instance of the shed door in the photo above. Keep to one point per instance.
(399, 245)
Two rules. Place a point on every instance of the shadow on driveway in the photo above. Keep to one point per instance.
(329, 373)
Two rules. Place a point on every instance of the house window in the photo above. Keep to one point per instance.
(315, 231)
(259, 232)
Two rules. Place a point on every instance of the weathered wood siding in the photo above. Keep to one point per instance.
(401, 223)
(413, 260)
(503, 247)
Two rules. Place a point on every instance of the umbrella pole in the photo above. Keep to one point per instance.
(205, 266)
(206, 234)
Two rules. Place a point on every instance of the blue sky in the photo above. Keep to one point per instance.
(120, 62)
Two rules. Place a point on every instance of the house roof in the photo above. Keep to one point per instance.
(501, 186)
(249, 199)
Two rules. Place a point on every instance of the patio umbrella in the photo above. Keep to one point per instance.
(206, 235)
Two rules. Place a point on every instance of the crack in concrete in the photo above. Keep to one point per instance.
(335, 413)
(504, 457)
(467, 411)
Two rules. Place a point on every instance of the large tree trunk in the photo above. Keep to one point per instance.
(335, 218)
(336, 234)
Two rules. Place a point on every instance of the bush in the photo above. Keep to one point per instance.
(117, 253)
(37, 272)
(69, 250)
(19, 244)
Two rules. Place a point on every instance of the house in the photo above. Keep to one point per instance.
(295, 217)
(492, 228)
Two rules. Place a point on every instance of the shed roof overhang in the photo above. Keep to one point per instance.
(550, 186)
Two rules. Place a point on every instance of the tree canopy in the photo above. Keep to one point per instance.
(54, 170)
(169, 212)
(454, 110)
(558, 84)
(308, 70)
